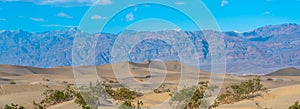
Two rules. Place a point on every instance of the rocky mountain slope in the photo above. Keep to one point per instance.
(262, 50)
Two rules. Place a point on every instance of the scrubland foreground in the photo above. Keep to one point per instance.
(54, 88)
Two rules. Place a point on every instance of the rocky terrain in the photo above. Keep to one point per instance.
(260, 51)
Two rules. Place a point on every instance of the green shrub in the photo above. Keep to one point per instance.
(88, 96)
(122, 94)
(128, 105)
(245, 90)
(296, 105)
(12, 82)
(112, 81)
(82, 102)
(13, 106)
(161, 89)
(191, 97)
(54, 96)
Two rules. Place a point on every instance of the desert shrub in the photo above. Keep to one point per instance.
(89, 96)
(45, 79)
(245, 90)
(269, 79)
(191, 97)
(14, 106)
(122, 94)
(54, 96)
(12, 82)
(161, 89)
(82, 102)
(57, 96)
(112, 81)
(296, 105)
(128, 105)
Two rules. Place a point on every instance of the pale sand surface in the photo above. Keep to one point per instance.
(284, 90)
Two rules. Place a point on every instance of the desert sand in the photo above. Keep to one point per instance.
(283, 89)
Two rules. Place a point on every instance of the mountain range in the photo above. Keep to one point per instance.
(259, 51)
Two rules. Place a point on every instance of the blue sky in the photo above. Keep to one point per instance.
(240, 15)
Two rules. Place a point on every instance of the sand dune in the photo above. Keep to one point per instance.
(29, 83)
(277, 98)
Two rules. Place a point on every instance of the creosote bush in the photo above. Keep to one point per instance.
(92, 94)
(191, 97)
(12, 82)
(162, 89)
(245, 90)
(13, 106)
(296, 105)
(87, 97)
(52, 97)
(128, 105)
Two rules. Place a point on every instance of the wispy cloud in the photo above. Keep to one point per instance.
(58, 25)
(267, 13)
(37, 19)
(64, 2)
(177, 29)
(130, 17)
(224, 2)
(179, 3)
(97, 17)
(62, 14)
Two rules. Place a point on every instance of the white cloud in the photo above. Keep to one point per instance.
(97, 17)
(131, 5)
(62, 14)
(64, 2)
(267, 13)
(179, 3)
(130, 17)
(57, 25)
(177, 29)
(37, 19)
(224, 2)
(3, 19)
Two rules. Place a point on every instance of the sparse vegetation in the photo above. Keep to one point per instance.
(54, 96)
(187, 98)
(91, 95)
(112, 81)
(245, 90)
(88, 96)
(13, 106)
(45, 79)
(269, 79)
(296, 105)
(82, 103)
(162, 89)
(128, 105)
(235, 92)
(191, 97)
(12, 82)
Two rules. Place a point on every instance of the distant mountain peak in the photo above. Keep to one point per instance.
(267, 47)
